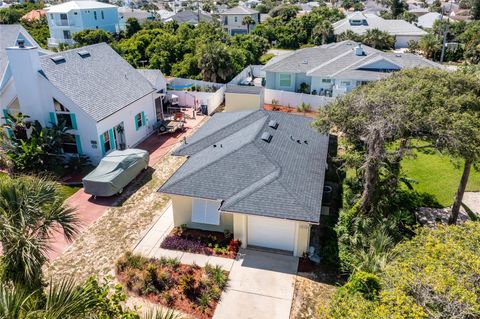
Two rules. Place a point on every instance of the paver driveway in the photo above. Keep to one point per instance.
(261, 286)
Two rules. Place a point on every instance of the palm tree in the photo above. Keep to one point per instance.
(215, 62)
(429, 45)
(248, 21)
(348, 35)
(31, 211)
(378, 39)
(322, 30)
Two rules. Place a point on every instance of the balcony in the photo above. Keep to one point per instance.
(62, 23)
(53, 43)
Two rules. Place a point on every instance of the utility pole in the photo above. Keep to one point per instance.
(444, 42)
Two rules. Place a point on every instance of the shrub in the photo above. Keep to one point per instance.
(365, 283)
(183, 244)
(217, 275)
(186, 283)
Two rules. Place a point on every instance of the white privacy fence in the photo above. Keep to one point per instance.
(293, 99)
(194, 98)
(251, 70)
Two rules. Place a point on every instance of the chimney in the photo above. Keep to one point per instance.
(24, 64)
(359, 50)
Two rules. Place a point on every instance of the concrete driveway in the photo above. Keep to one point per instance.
(261, 286)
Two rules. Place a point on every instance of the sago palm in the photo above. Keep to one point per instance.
(31, 212)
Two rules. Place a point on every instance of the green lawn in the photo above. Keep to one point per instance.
(438, 176)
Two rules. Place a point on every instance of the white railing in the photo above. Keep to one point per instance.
(52, 42)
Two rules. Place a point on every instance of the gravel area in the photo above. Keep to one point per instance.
(95, 251)
(311, 296)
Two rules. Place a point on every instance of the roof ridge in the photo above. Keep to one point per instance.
(348, 66)
(327, 62)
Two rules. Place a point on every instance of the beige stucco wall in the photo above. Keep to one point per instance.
(182, 214)
(303, 238)
(242, 102)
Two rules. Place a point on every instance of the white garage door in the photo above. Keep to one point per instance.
(271, 233)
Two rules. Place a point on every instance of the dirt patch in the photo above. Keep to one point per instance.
(310, 297)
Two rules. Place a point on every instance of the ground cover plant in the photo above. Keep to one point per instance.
(202, 242)
(187, 288)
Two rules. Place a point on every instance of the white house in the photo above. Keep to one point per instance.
(232, 19)
(66, 19)
(106, 103)
(360, 22)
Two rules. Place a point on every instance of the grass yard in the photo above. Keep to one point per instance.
(438, 176)
(66, 191)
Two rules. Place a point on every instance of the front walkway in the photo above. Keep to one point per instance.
(261, 284)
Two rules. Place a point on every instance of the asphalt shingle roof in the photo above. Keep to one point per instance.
(190, 17)
(393, 27)
(229, 161)
(239, 10)
(101, 83)
(338, 60)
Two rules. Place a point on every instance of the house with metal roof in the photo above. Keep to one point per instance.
(66, 19)
(360, 22)
(335, 69)
(232, 20)
(259, 174)
(100, 97)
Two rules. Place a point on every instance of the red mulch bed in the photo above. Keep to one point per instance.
(202, 242)
(286, 109)
(305, 265)
(181, 286)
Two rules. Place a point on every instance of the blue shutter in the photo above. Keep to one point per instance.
(136, 122)
(79, 144)
(53, 118)
(73, 118)
(102, 144)
(112, 139)
(143, 119)
(7, 121)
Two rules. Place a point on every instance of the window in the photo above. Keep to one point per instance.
(95, 15)
(59, 107)
(63, 16)
(236, 19)
(139, 120)
(205, 211)
(345, 83)
(66, 35)
(103, 16)
(326, 80)
(14, 107)
(63, 115)
(69, 144)
(106, 141)
(51, 15)
(285, 80)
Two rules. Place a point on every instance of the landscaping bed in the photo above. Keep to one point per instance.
(190, 289)
(202, 242)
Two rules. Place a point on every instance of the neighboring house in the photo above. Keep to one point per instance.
(461, 15)
(34, 15)
(101, 98)
(417, 10)
(66, 19)
(10, 34)
(359, 23)
(427, 21)
(190, 17)
(141, 15)
(336, 68)
(231, 20)
(259, 174)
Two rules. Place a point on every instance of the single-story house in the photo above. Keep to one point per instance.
(427, 21)
(259, 174)
(360, 22)
(335, 69)
(102, 99)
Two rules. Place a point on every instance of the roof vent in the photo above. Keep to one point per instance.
(58, 59)
(267, 137)
(305, 61)
(84, 53)
(398, 55)
(21, 43)
(359, 50)
(273, 124)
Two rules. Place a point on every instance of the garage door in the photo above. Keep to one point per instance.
(271, 233)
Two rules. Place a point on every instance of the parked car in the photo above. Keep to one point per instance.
(115, 171)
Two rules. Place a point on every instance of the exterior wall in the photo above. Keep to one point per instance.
(401, 41)
(302, 78)
(233, 23)
(78, 20)
(182, 214)
(317, 84)
(127, 116)
(270, 80)
(302, 238)
(242, 102)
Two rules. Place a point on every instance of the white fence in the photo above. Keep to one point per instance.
(194, 98)
(255, 70)
(293, 99)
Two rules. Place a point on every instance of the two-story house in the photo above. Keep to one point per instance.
(232, 20)
(66, 19)
(335, 69)
(100, 97)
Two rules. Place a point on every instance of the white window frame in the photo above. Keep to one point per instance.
(345, 83)
(326, 80)
(280, 80)
(205, 211)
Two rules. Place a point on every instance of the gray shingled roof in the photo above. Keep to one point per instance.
(151, 75)
(9, 34)
(190, 17)
(393, 27)
(229, 161)
(100, 84)
(338, 60)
